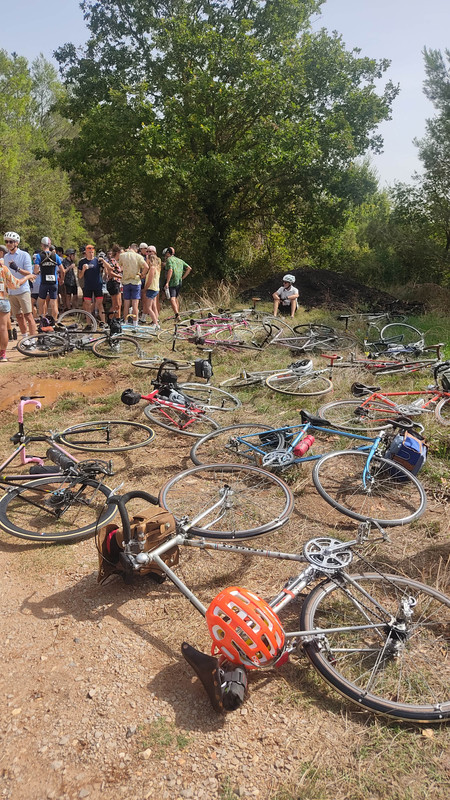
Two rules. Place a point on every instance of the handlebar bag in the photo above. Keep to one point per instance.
(409, 450)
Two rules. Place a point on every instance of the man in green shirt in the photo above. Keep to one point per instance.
(176, 271)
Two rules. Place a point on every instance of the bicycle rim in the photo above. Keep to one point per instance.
(341, 414)
(300, 385)
(120, 346)
(209, 397)
(31, 511)
(402, 334)
(256, 502)
(442, 411)
(390, 494)
(225, 447)
(78, 319)
(107, 436)
(187, 422)
(43, 345)
(403, 670)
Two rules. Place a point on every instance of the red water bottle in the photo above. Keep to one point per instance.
(303, 446)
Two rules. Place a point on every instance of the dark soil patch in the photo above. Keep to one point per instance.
(322, 288)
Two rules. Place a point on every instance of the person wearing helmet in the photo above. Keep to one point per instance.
(286, 296)
(19, 264)
(51, 270)
(8, 282)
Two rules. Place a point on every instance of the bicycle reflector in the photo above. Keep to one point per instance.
(244, 628)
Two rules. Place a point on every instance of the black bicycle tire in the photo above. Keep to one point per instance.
(65, 536)
(275, 382)
(391, 474)
(443, 404)
(328, 661)
(203, 443)
(314, 327)
(151, 410)
(395, 329)
(78, 312)
(119, 338)
(107, 448)
(357, 423)
(195, 390)
(59, 345)
(155, 363)
(258, 480)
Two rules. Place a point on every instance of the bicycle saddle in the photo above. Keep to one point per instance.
(318, 422)
(360, 389)
(207, 669)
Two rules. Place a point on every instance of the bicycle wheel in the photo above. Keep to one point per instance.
(442, 411)
(43, 345)
(185, 421)
(406, 335)
(156, 361)
(390, 495)
(243, 381)
(209, 397)
(305, 385)
(315, 328)
(106, 436)
(255, 501)
(119, 346)
(59, 509)
(344, 414)
(250, 332)
(401, 667)
(225, 446)
(78, 319)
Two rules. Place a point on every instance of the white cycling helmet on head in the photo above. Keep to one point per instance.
(289, 278)
(13, 236)
(46, 241)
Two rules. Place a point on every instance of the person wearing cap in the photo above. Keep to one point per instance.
(286, 295)
(69, 289)
(19, 264)
(50, 267)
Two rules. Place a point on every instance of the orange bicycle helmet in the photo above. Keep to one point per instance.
(244, 628)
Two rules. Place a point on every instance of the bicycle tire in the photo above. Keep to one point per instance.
(157, 361)
(307, 385)
(314, 328)
(404, 675)
(43, 345)
(403, 334)
(112, 429)
(210, 397)
(78, 319)
(253, 489)
(241, 382)
(442, 411)
(393, 496)
(222, 447)
(244, 332)
(15, 504)
(340, 414)
(178, 421)
(118, 346)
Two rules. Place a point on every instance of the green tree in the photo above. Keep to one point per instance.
(35, 197)
(202, 120)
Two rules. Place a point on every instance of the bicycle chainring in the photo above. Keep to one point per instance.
(327, 554)
(278, 458)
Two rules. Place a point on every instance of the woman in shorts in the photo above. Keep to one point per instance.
(151, 287)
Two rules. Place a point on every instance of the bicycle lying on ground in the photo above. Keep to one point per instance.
(299, 378)
(314, 337)
(380, 640)
(61, 501)
(360, 483)
(182, 407)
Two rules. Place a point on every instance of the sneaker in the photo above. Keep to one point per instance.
(3, 355)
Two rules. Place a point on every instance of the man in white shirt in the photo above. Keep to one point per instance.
(19, 264)
(286, 295)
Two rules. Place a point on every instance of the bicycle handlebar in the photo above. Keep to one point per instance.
(121, 502)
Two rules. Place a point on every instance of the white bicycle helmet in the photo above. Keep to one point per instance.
(288, 278)
(13, 236)
(46, 241)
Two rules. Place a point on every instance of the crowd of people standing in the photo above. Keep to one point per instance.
(52, 280)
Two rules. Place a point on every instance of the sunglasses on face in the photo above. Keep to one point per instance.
(10, 241)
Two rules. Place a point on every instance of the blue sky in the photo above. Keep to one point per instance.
(394, 29)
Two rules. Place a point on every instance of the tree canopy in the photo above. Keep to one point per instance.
(202, 123)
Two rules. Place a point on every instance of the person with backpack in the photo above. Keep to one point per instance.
(50, 268)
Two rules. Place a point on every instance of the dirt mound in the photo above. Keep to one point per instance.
(324, 288)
